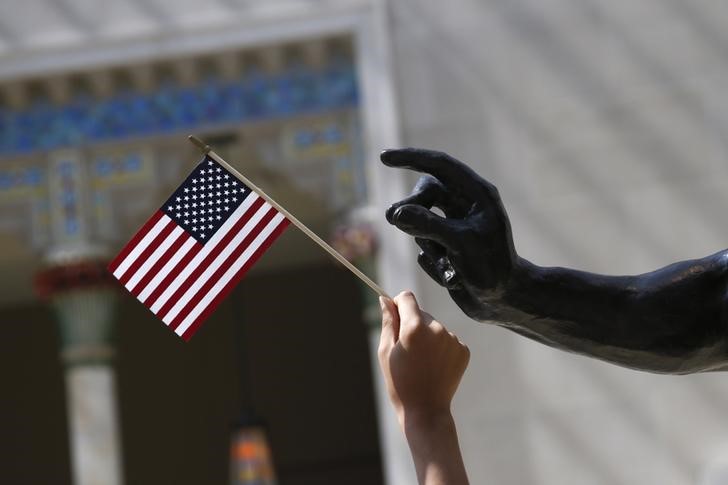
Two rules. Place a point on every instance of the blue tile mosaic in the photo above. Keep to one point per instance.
(172, 108)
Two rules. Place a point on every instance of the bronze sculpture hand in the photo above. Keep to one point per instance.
(672, 320)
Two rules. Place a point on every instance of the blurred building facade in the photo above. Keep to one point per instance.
(93, 126)
(603, 124)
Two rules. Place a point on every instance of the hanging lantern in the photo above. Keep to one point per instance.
(251, 462)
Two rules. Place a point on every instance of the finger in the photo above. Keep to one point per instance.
(449, 275)
(435, 261)
(430, 267)
(428, 319)
(429, 192)
(450, 171)
(440, 270)
(418, 221)
(409, 310)
(390, 321)
(426, 193)
(431, 248)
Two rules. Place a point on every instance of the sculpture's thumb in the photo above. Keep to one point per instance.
(420, 222)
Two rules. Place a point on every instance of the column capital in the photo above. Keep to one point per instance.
(71, 275)
(83, 295)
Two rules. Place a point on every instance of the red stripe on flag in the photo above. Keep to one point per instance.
(156, 267)
(187, 335)
(232, 257)
(202, 266)
(144, 255)
(135, 240)
(173, 274)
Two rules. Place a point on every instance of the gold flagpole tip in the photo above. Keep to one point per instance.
(200, 144)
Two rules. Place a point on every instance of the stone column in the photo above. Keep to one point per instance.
(356, 241)
(83, 300)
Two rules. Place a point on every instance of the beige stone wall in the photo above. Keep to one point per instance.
(605, 126)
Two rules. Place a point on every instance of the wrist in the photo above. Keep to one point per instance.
(425, 421)
(524, 276)
(523, 273)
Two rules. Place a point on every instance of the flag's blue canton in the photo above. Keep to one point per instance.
(205, 200)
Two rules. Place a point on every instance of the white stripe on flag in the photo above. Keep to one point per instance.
(153, 258)
(169, 266)
(230, 273)
(141, 246)
(206, 249)
(216, 263)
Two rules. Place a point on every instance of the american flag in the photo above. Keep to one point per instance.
(192, 252)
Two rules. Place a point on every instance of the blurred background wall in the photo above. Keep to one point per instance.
(602, 123)
(604, 126)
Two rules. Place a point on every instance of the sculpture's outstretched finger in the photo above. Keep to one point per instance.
(452, 172)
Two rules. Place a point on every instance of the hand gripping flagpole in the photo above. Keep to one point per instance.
(333, 252)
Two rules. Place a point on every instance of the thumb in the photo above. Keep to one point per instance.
(390, 321)
(418, 221)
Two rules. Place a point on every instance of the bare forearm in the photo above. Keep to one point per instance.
(433, 442)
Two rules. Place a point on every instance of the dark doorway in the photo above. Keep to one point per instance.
(290, 344)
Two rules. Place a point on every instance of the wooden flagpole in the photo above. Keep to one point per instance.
(207, 150)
